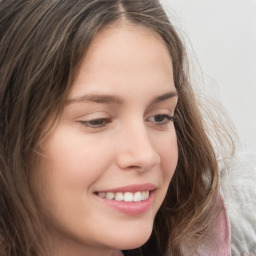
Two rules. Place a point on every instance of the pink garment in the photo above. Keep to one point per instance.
(220, 245)
(224, 229)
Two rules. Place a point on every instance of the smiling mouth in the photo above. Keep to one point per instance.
(131, 200)
(137, 196)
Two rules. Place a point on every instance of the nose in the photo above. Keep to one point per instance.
(135, 150)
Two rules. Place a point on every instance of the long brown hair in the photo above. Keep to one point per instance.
(42, 43)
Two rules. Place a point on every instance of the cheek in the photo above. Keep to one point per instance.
(168, 152)
(74, 161)
(66, 171)
(167, 149)
(169, 158)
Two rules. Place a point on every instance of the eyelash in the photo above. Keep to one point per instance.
(96, 123)
(102, 122)
(166, 119)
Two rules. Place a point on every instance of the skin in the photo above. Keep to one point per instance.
(131, 142)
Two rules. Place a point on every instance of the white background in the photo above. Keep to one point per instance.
(222, 34)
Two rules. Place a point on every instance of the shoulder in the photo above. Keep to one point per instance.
(219, 236)
(217, 240)
(238, 180)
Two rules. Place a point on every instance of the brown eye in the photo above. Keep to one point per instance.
(96, 123)
(161, 119)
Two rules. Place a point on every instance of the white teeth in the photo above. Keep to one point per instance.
(144, 195)
(127, 196)
(110, 195)
(119, 196)
(101, 194)
(137, 197)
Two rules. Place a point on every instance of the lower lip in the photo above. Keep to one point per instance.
(130, 208)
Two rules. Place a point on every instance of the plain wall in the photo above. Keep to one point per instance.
(222, 34)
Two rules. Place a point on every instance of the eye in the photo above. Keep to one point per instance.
(96, 123)
(161, 119)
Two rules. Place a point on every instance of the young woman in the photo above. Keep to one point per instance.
(103, 148)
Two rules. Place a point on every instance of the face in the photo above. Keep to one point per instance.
(107, 164)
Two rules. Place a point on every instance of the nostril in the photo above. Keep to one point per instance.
(134, 167)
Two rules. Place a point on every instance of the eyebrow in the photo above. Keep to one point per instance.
(164, 97)
(102, 99)
(111, 99)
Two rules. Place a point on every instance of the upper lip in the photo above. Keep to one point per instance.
(132, 188)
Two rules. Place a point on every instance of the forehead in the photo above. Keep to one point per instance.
(125, 54)
(122, 41)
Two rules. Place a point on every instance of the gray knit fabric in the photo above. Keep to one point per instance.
(238, 183)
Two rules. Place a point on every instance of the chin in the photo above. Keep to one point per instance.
(134, 239)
